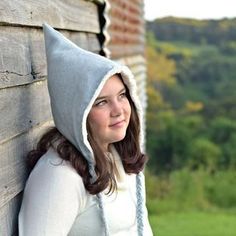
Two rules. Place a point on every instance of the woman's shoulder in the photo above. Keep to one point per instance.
(54, 193)
(52, 170)
(51, 160)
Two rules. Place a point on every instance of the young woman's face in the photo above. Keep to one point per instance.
(110, 113)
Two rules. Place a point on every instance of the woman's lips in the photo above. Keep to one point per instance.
(118, 124)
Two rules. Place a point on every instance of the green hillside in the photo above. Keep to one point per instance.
(196, 31)
(191, 122)
(190, 82)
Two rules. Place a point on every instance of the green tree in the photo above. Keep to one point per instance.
(222, 131)
(204, 154)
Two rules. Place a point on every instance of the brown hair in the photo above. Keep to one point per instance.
(128, 148)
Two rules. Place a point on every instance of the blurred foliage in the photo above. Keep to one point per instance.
(191, 126)
(183, 190)
(196, 200)
(160, 68)
(191, 67)
(195, 31)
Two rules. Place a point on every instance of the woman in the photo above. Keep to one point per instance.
(87, 177)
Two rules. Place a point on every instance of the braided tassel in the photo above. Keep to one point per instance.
(101, 206)
(140, 202)
(99, 199)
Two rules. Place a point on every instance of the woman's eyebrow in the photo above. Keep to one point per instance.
(103, 97)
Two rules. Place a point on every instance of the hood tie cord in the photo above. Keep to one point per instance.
(139, 208)
(101, 206)
(99, 198)
(140, 202)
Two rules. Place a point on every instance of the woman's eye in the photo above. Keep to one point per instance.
(101, 103)
(123, 95)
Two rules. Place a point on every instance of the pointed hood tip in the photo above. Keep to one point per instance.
(45, 26)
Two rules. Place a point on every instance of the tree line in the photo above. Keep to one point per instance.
(217, 32)
(192, 100)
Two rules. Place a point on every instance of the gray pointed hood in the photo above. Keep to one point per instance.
(75, 79)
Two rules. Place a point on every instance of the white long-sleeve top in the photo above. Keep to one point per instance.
(56, 203)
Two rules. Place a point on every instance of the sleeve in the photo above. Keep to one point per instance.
(52, 199)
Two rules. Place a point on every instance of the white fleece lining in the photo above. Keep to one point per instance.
(129, 81)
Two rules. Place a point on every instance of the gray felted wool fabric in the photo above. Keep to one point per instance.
(75, 79)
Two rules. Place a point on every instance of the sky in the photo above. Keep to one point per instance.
(197, 9)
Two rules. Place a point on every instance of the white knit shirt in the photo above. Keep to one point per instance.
(56, 203)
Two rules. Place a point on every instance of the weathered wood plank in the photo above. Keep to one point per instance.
(9, 216)
(12, 181)
(97, 1)
(138, 67)
(123, 36)
(13, 171)
(136, 63)
(22, 57)
(125, 50)
(23, 107)
(76, 15)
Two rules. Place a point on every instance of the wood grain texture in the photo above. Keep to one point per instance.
(125, 50)
(76, 15)
(22, 57)
(126, 30)
(97, 1)
(13, 171)
(22, 108)
(8, 217)
(12, 181)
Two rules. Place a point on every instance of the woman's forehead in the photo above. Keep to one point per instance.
(113, 85)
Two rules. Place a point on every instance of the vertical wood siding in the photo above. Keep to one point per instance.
(126, 28)
(24, 103)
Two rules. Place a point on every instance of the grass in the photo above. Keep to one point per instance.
(194, 223)
(192, 203)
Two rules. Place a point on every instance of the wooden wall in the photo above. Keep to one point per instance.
(24, 102)
(126, 28)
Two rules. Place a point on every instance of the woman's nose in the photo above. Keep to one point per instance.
(116, 109)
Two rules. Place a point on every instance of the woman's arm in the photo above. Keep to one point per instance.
(52, 199)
